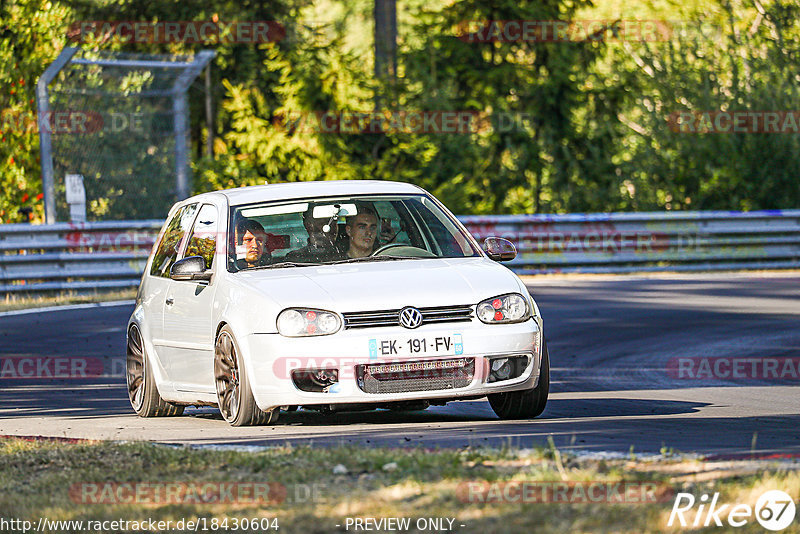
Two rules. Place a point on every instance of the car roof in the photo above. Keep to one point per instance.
(296, 190)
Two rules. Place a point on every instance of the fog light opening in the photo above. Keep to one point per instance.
(315, 380)
(501, 368)
(507, 368)
(325, 377)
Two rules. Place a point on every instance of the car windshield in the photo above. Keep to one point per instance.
(355, 229)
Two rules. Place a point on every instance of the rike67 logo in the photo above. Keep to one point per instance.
(774, 510)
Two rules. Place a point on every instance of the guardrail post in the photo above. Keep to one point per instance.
(45, 141)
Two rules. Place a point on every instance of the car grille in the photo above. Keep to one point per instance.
(402, 377)
(441, 314)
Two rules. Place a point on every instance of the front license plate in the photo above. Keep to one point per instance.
(399, 347)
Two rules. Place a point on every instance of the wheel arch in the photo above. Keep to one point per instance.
(222, 324)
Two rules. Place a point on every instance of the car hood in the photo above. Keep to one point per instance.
(384, 285)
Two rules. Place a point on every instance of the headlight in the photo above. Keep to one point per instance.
(300, 322)
(512, 308)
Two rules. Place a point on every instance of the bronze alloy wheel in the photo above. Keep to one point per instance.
(135, 368)
(234, 396)
(226, 372)
(142, 390)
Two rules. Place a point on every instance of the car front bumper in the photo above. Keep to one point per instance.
(270, 359)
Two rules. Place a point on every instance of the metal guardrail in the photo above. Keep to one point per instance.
(67, 256)
(113, 254)
(647, 242)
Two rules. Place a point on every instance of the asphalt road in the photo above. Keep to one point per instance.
(615, 347)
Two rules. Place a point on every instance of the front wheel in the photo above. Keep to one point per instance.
(234, 396)
(142, 391)
(528, 403)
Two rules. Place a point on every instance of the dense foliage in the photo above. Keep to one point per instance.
(557, 126)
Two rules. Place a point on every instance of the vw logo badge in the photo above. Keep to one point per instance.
(410, 317)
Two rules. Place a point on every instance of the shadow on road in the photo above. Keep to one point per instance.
(640, 434)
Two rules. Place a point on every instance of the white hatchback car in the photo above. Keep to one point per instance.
(337, 295)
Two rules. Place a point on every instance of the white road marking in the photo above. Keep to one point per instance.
(69, 307)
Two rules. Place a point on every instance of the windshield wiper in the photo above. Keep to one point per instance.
(377, 258)
(283, 264)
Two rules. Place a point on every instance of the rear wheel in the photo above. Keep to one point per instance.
(528, 403)
(142, 391)
(234, 396)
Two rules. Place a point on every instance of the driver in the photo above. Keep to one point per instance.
(252, 237)
(362, 231)
(321, 245)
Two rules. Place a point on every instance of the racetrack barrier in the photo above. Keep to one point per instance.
(99, 255)
(74, 256)
(647, 242)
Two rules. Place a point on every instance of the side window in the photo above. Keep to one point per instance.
(167, 250)
(204, 235)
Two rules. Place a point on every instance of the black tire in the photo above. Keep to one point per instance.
(142, 390)
(234, 396)
(528, 403)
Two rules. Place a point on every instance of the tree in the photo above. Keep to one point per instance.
(31, 36)
(727, 58)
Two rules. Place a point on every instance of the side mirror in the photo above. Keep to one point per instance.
(499, 249)
(192, 268)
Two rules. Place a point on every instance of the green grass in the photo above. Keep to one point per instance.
(36, 478)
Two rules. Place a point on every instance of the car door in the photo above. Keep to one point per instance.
(166, 253)
(188, 330)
